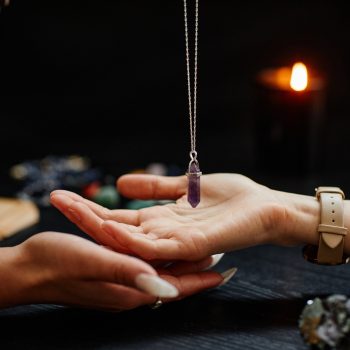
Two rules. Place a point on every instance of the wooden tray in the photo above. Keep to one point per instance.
(16, 215)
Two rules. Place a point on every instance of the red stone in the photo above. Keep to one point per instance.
(91, 190)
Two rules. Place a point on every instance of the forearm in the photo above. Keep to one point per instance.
(303, 217)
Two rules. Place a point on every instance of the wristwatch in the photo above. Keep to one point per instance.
(330, 250)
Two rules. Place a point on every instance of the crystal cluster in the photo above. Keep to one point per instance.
(325, 323)
(41, 177)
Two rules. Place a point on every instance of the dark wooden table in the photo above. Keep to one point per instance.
(258, 309)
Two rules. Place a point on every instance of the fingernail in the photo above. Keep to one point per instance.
(156, 286)
(74, 214)
(227, 275)
(215, 260)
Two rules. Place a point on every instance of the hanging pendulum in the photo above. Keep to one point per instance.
(193, 173)
(194, 181)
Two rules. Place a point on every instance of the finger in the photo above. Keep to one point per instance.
(101, 296)
(90, 223)
(194, 283)
(97, 263)
(125, 298)
(152, 187)
(150, 246)
(185, 267)
(102, 212)
(130, 217)
(86, 220)
(146, 246)
(63, 203)
(80, 214)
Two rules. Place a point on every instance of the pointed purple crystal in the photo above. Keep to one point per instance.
(194, 184)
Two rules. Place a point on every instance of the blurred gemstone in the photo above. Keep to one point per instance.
(107, 196)
(138, 204)
(91, 190)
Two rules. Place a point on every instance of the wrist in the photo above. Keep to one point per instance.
(16, 276)
(300, 224)
(301, 219)
(10, 277)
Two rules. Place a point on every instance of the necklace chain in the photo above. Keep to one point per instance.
(192, 109)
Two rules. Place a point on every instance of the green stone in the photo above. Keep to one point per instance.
(108, 197)
(138, 204)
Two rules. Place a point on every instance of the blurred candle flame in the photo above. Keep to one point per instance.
(299, 77)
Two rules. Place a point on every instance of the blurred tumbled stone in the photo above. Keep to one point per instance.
(325, 323)
(107, 196)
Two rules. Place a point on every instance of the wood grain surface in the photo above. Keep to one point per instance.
(16, 215)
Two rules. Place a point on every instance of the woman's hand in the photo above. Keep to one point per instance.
(65, 269)
(234, 213)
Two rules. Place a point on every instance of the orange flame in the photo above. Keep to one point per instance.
(299, 77)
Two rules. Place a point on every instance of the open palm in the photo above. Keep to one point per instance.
(234, 212)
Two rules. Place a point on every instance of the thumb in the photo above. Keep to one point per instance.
(152, 187)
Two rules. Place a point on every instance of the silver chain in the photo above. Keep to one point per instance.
(192, 109)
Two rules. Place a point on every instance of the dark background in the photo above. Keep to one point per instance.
(106, 79)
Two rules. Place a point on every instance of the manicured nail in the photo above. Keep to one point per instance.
(156, 286)
(227, 275)
(215, 260)
(74, 214)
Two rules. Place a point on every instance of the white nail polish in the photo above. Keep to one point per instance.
(227, 275)
(215, 260)
(155, 286)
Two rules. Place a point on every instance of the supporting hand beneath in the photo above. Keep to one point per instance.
(64, 269)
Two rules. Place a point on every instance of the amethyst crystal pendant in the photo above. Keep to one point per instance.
(194, 183)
